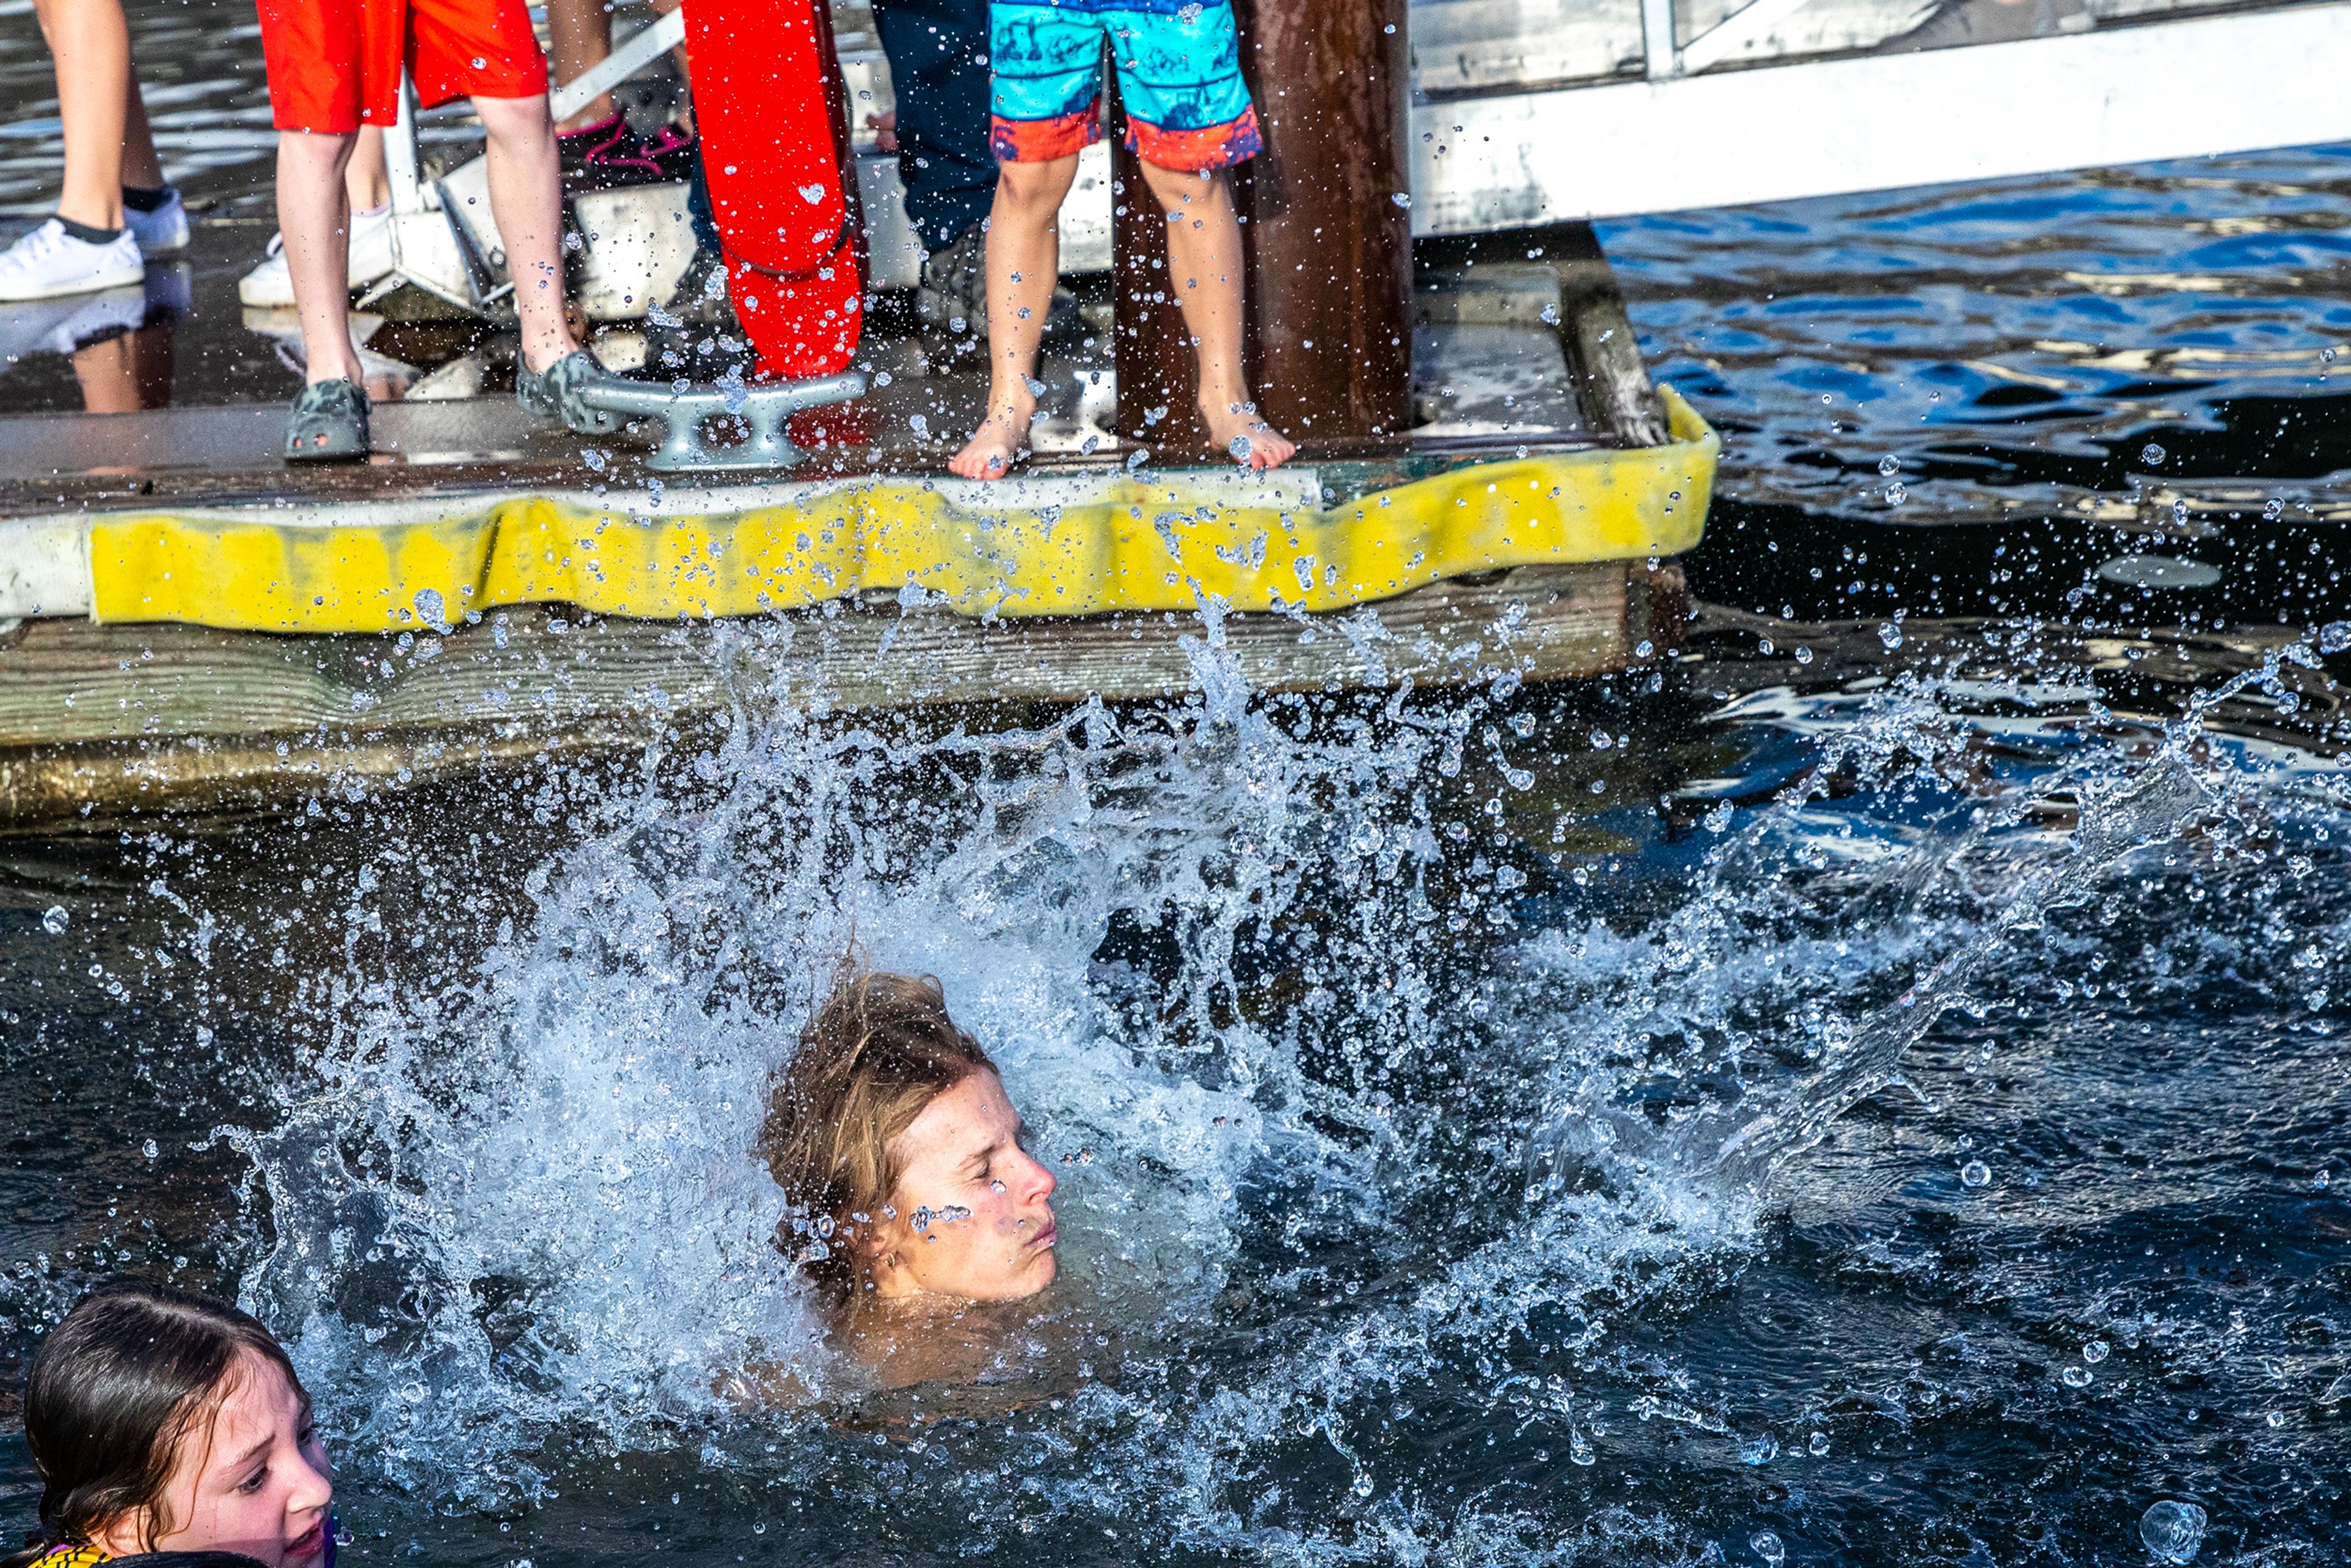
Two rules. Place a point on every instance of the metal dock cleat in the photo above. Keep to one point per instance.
(763, 409)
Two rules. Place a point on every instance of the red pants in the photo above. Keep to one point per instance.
(334, 64)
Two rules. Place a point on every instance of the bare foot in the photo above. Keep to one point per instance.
(999, 444)
(1248, 440)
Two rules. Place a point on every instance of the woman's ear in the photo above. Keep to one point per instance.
(124, 1535)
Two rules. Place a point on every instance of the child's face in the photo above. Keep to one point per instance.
(252, 1480)
(974, 1214)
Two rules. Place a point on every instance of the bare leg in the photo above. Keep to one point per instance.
(580, 32)
(527, 200)
(1024, 257)
(315, 217)
(1204, 267)
(366, 180)
(107, 141)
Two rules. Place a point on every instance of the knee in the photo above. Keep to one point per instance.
(323, 152)
(514, 119)
(1036, 187)
(1184, 190)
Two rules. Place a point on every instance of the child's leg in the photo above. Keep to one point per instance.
(1204, 268)
(315, 218)
(1024, 257)
(527, 200)
(90, 43)
(365, 178)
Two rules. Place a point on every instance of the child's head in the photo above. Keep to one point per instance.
(163, 1420)
(891, 1133)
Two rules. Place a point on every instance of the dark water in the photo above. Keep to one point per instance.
(1885, 1105)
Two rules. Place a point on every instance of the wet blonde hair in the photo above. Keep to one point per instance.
(879, 1051)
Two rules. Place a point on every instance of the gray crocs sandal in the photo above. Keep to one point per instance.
(329, 424)
(554, 392)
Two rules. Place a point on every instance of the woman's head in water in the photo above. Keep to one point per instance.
(161, 1420)
(891, 1133)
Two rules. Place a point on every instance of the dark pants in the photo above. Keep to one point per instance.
(938, 63)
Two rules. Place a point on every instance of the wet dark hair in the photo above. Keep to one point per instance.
(879, 1051)
(115, 1388)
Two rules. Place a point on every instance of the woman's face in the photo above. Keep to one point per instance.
(974, 1216)
(252, 1479)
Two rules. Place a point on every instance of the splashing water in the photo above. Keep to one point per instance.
(1458, 1164)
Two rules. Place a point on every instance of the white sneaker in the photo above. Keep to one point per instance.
(270, 286)
(49, 263)
(162, 231)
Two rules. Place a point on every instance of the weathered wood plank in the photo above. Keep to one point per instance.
(131, 720)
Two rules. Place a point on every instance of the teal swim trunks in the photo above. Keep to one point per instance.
(1179, 80)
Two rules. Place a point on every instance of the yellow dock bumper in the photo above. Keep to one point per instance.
(1047, 545)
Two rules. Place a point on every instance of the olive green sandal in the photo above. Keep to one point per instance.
(329, 424)
(554, 392)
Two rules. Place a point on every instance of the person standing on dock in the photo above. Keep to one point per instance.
(1188, 119)
(336, 65)
(115, 211)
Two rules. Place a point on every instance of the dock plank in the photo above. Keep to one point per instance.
(98, 722)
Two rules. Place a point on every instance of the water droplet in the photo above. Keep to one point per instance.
(1760, 1450)
(2277, 1418)
(1896, 493)
(1890, 633)
(150, 1148)
(2151, 454)
(431, 609)
(2274, 510)
(1819, 1444)
(1975, 1173)
(996, 1187)
(2172, 1530)
(2334, 637)
(823, 1225)
(920, 1219)
(2094, 1351)
(1239, 448)
(2075, 1377)
(1363, 1484)
(1717, 819)
(1889, 465)
(1804, 655)
(1602, 740)
(1579, 1448)
(920, 427)
(1768, 1546)
(1400, 199)
(54, 922)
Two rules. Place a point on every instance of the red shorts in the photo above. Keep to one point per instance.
(334, 64)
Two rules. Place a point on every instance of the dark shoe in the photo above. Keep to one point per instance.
(554, 392)
(610, 154)
(953, 294)
(700, 298)
(329, 424)
(695, 334)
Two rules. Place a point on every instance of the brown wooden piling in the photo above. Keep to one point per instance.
(1326, 236)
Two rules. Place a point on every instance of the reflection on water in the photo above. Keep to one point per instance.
(118, 341)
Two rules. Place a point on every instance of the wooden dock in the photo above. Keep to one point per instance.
(105, 722)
